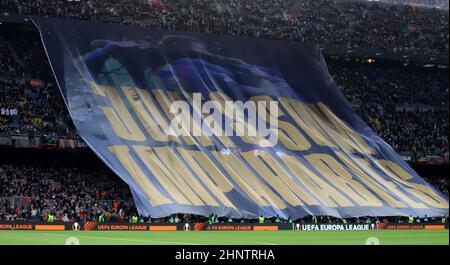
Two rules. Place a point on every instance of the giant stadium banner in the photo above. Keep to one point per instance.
(209, 124)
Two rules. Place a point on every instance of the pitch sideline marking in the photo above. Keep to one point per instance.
(141, 240)
(126, 239)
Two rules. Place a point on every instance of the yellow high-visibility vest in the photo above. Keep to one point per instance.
(51, 218)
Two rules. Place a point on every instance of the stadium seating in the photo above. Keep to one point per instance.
(355, 24)
(30, 192)
(379, 94)
(407, 107)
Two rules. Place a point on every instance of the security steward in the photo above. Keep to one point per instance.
(261, 219)
(51, 218)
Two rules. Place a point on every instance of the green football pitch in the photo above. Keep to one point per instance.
(383, 237)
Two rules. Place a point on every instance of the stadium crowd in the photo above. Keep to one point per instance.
(354, 24)
(407, 108)
(29, 100)
(32, 193)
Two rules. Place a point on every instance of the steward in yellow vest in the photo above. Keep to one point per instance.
(134, 219)
(261, 219)
(51, 218)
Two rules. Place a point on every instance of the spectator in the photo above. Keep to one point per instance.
(352, 24)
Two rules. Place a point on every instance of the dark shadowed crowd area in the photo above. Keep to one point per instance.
(356, 24)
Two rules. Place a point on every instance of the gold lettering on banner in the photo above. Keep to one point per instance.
(336, 174)
(364, 164)
(239, 124)
(176, 173)
(370, 182)
(274, 174)
(343, 142)
(98, 89)
(120, 119)
(179, 170)
(165, 99)
(123, 155)
(248, 182)
(422, 192)
(177, 187)
(305, 120)
(343, 129)
(195, 127)
(148, 113)
(214, 125)
(328, 195)
(208, 172)
(288, 135)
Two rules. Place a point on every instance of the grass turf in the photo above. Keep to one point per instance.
(385, 237)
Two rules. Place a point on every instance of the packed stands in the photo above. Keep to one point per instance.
(30, 192)
(407, 107)
(30, 103)
(408, 29)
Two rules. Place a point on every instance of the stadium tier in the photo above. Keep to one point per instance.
(331, 131)
(411, 28)
(391, 99)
